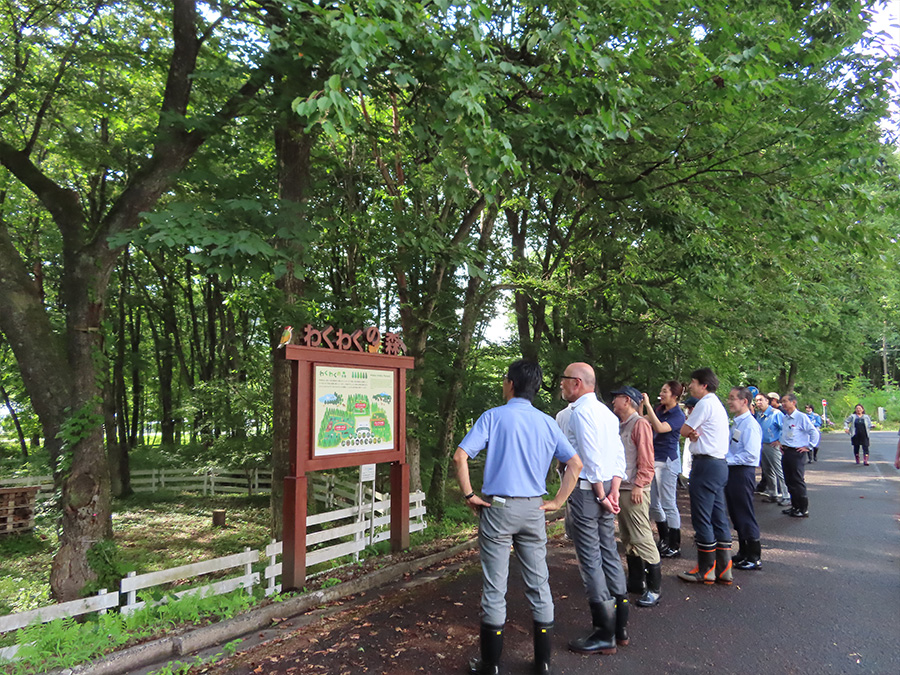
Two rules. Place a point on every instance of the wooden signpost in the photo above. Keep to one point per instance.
(348, 408)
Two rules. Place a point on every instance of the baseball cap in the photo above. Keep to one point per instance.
(631, 393)
(691, 402)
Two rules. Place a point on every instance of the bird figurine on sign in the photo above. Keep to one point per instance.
(285, 337)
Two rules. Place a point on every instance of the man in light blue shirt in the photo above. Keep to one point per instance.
(743, 457)
(770, 419)
(816, 419)
(798, 435)
(522, 441)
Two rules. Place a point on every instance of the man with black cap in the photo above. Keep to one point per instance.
(641, 551)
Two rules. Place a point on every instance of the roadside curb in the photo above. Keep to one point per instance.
(175, 646)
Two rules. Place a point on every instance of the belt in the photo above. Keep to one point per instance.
(789, 447)
(696, 457)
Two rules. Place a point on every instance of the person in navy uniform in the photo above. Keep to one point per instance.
(521, 443)
(707, 429)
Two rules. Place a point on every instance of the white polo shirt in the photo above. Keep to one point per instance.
(710, 421)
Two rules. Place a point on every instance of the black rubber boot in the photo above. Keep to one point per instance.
(705, 571)
(663, 528)
(635, 583)
(622, 620)
(491, 649)
(543, 634)
(673, 548)
(650, 598)
(602, 639)
(723, 563)
(741, 555)
(752, 561)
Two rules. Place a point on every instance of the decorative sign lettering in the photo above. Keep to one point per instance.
(369, 341)
(353, 410)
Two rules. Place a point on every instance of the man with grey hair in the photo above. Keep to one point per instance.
(798, 435)
(590, 519)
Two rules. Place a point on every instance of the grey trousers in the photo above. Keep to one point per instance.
(593, 530)
(770, 463)
(520, 523)
(663, 499)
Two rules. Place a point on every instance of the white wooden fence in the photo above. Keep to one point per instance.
(97, 603)
(363, 524)
(208, 481)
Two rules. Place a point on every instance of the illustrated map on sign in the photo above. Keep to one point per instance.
(354, 410)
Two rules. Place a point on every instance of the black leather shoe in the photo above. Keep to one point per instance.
(797, 513)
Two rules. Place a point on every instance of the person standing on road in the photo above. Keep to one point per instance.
(816, 419)
(590, 518)
(707, 428)
(897, 458)
(641, 552)
(771, 420)
(857, 425)
(521, 442)
(798, 435)
(743, 457)
(666, 421)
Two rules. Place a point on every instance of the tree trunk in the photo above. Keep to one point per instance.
(15, 418)
(85, 502)
(449, 406)
(292, 149)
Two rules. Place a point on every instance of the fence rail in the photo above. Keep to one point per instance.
(365, 523)
(207, 481)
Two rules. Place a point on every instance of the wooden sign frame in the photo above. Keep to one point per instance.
(303, 361)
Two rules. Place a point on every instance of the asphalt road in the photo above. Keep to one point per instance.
(826, 601)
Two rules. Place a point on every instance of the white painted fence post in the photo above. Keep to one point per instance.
(270, 584)
(130, 596)
(102, 591)
(248, 570)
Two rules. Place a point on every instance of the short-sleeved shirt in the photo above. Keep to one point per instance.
(665, 445)
(770, 420)
(798, 431)
(593, 430)
(521, 442)
(745, 447)
(710, 421)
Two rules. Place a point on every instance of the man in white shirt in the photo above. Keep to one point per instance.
(707, 428)
(590, 520)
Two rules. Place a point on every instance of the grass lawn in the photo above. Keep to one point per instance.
(152, 532)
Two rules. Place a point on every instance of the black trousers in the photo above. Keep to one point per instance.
(739, 498)
(793, 463)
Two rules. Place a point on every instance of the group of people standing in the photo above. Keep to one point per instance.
(619, 466)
